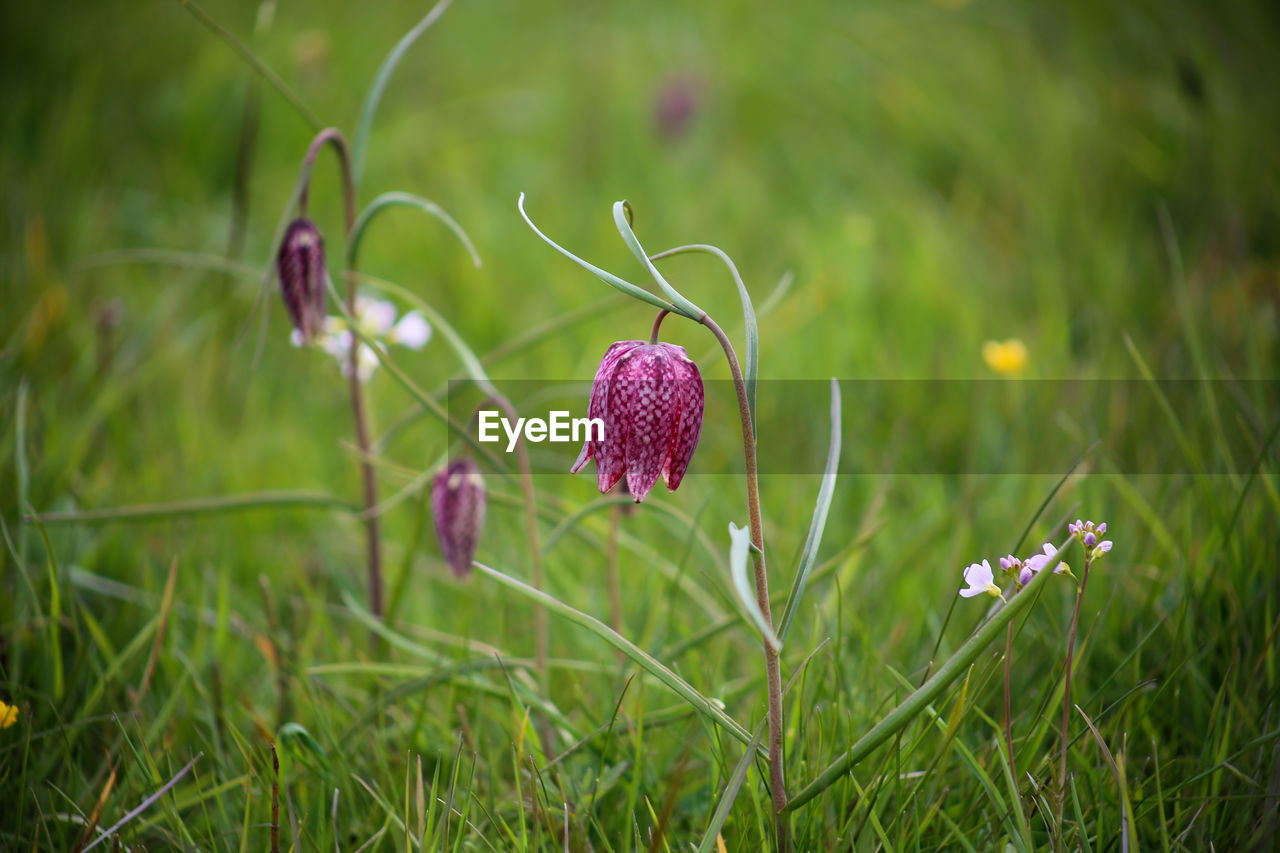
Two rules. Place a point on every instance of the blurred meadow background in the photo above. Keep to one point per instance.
(907, 180)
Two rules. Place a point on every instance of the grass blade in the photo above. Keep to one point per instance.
(709, 708)
(809, 556)
(953, 668)
(730, 794)
(379, 85)
(255, 62)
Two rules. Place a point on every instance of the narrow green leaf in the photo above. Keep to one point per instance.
(196, 506)
(393, 199)
(750, 328)
(709, 708)
(809, 556)
(255, 62)
(739, 552)
(607, 277)
(730, 794)
(682, 305)
(372, 98)
(953, 668)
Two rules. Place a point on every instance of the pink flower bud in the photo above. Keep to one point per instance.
(650, 398)
(457, 507)
(300, 264)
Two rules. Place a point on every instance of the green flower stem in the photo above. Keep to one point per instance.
(951, 670)
(773, 677)
(368, 477)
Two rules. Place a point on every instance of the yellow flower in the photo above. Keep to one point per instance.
(8, 715)
(1008, 358)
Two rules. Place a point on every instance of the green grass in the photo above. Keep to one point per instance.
(1097, 181)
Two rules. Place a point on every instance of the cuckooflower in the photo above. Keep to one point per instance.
(980, 579)
(376, 318)
(300, 265)
(1089, 533)
(650, 398)
(1036, 562)
(457, 508)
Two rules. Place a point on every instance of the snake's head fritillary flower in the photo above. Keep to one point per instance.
(650, 399)
(980, 579)
(457, 508)
(8, 714)
(300, 265)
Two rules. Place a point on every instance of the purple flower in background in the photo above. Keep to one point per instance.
(300, 264)
(457, 508)
(675, 104)
(650, 398)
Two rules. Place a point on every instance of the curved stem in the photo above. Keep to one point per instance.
(773, 678)
(368, 478)
(657, 323)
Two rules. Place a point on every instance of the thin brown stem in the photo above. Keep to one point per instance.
(1066, 697)
(773, 678)
(657, 323)
(368, 477)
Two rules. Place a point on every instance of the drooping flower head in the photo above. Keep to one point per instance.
(650, 399)
(300, 265)
(457, 508)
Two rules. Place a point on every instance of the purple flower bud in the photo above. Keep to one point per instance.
(300, 264)
(1103, 547)
(1025, 576)
(1102, 528)
(650, 398)
(1090, 540)
(457, 507)
(1004, 563)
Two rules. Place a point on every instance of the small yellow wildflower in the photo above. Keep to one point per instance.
(1008, 358)
(8, 714)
